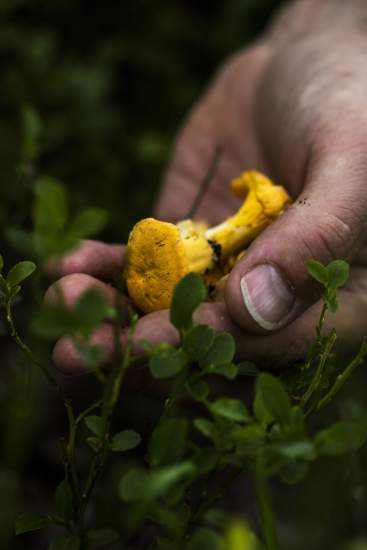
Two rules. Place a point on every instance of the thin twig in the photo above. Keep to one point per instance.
(207, 180)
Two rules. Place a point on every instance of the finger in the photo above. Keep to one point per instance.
(223, 117)
(269, 350)
(67, 291)
(94, 258)
(154, 328)
(270, 287)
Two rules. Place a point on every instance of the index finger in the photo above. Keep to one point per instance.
(101, 260)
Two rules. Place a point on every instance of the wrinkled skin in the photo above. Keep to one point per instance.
(296, 111)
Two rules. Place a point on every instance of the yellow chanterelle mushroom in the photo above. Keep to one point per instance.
(159, 253)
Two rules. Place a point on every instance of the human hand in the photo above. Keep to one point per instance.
(294, 111)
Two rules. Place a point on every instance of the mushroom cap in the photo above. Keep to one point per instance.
(156, 261)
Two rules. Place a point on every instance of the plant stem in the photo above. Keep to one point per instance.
(28, 352)
(265, 509)
(316, 380)
(343, 377)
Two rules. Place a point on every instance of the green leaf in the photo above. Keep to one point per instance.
(168, 441)
(52, 322)
(166, 361)
(1, 263)
(198, 390)
(248, 439)
(19, 272)
(338, 273)
(297, 450)
(205, 539)
(197, 342)
(221, 352)
(246, 368)
(187, 296)
(91, 309)
(206, 459)
(293, 472)
(93, 355)
(317, 271)
(232, 409)
(32, 127)
(342, 437)
(88, 223)
(204, 426)
(31, 521)
(102, 536)
(228, 371)
(64, 500)
(143, 485)
(50, 209)
(95, 424)
(125, 441)
(271, 401)
(65, 542)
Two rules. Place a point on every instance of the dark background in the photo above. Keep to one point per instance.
(111, 83)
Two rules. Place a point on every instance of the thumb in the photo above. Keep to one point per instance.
(270, 287)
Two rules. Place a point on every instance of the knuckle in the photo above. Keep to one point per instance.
(68, 289)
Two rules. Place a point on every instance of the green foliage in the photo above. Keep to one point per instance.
(125, 441)
(188, 295)
(269, 439)
(166, 361)
(31, 521)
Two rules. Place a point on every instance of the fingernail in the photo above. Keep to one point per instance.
(267, 296)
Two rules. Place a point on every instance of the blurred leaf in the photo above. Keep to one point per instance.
(229, 371)
(50, 209)
(166, 361)
(342, 437)
(205, 539)
(197, 342)
(93, 355)
(168, 441)
(239, 536)
(271, 400)
(102, 536)
(19, 272)
(294, 472)
(198, 390)
(32, 128)
(95, 424)
(64, 500)
(65, 542)
(233, 409)
(249, 439)
(205, 426)
(189, 293)
(338, 273)
(31, 521)
(297, 450)
(206, 459)
(221, 352)
(139, 484)
(1, 263)
(125, 441)
(91, 308)
(317, 271)
(88, 223)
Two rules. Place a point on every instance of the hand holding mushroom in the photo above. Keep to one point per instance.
(292, 106)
